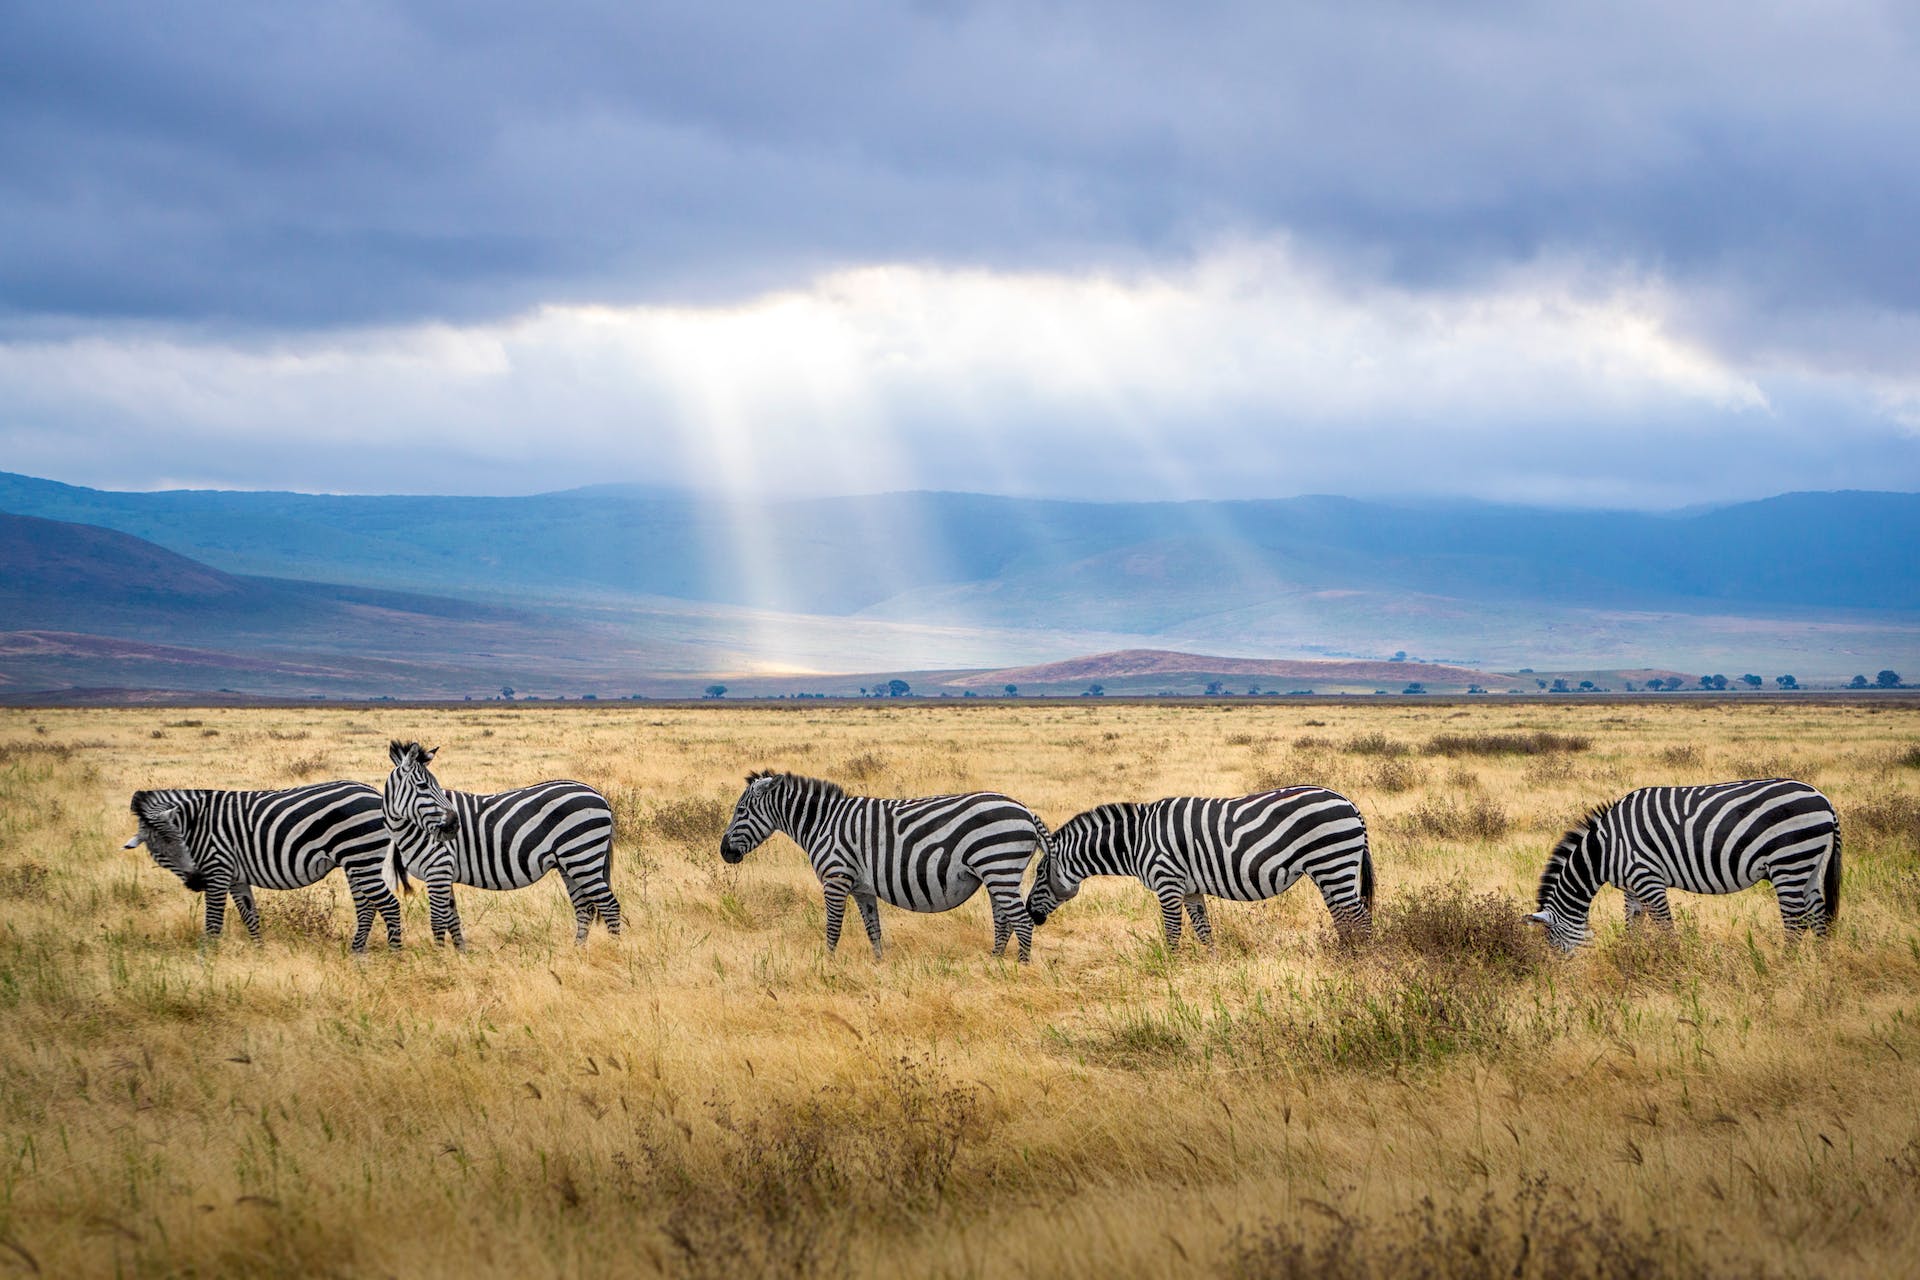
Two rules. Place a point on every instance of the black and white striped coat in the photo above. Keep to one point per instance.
(1717, 838)
(925, 855)
(229, 843)
(1247, 848)
(506, 840)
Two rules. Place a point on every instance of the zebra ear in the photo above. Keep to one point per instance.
(132, 844)
(426, 755)
(1539, 918)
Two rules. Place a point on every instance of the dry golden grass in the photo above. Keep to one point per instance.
(712, 1094)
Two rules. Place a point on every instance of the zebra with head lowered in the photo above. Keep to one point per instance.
(1246, 848)
(924, 855)
(503, 841)
(228, 843)
(1718, 838)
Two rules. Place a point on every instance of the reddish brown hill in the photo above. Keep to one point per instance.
(1146, 663)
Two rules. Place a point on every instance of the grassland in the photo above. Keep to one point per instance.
(713, 1095)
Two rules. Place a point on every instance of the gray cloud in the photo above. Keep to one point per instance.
(263, 165)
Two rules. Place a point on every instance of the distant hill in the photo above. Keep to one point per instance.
(1155, 668)
(630, 581)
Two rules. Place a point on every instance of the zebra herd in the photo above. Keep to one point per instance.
(933, 854)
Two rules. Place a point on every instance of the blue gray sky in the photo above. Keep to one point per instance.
(1625, 254)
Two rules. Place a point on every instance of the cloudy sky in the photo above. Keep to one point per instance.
(1644, 255)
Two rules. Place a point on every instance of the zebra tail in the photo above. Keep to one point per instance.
(1830, 883)
(1046, 836)
(1366, 875)
(395, 871)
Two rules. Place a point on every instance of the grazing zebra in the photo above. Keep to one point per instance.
(228, 843)
(924, 855)
(1246, 848)
(1718, 838)
(502, 841)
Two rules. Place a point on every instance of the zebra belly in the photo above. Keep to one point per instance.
(309, 870)
(940, 882)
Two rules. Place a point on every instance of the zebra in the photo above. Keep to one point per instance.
(925, 855)
(503, 841)
(1717, 838)
(1246, 848)
(227, 843)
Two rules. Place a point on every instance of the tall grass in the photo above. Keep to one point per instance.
(711, 1094)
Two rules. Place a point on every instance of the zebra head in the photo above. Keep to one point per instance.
(754, 818)
(416, 803)
(1053, 882)
(1567, 886)
(163, 829)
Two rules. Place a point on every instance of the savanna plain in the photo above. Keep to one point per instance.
(713, 1094)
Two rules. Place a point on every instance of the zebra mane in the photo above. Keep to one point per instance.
(1557, 860)
(821, 785)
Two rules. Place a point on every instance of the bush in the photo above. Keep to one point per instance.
(1376, 744)
(1893, 815)
(1481, 818)
(1537, 743)
(1445, 924)
(690, 820)
(1394, 775)
(1540, 1233)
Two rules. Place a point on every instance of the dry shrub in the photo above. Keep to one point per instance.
(1891, 815)
(1908, 759)
(787, 1180)
(1682, 756)
(864, 767)
(12, 751)
(300, 913)
(23, 880)
(306, 766)
(1393, 775)
(690, 820)
(1537, 743)
(1376, 744)
(1541, 1232)
(296, 735)
(1445, 818)
(1556, 767)
(183, 724)
(1447, 923)
(1312, 742)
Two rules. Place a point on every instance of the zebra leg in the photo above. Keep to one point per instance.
(1340, 890)
(583, 912)
(1010, 915)
(870, 915)
(370, 897)
(1197, 911)
(216, 907)
(1799, 910)
(836, 891)
(445, 916)
(1171, 900)
(1651, 898)
(249, 913)
(609, 908)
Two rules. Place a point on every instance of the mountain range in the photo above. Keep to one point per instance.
(616, 589)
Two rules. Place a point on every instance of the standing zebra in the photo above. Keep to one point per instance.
(1246, 848)
(502, 841)
(1718, 838)
(924, 855)
(227, 843)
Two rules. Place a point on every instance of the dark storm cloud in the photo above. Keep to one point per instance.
(289, 166)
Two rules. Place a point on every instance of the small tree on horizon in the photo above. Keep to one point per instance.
(1751, 681)
(1786, 682)
(716, 691)
(506, 692)
(898, 688)
(1858, 682)
(1888, 679)
(1012, 690)
(1096, 690)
